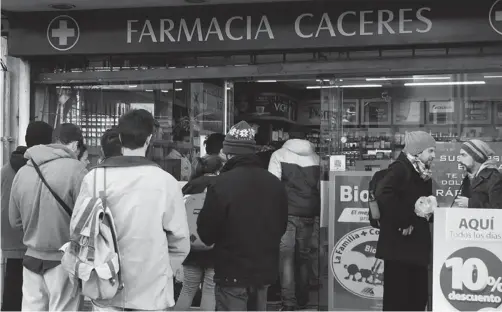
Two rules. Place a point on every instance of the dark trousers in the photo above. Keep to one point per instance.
(13, 285)
(295, 259)
(405, 286)
(229, 298)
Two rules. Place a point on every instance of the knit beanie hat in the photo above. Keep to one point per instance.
(37, 133)
(416, 142)
(240, 140)
(478, 150)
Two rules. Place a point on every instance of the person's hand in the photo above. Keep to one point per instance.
(462, 202)
(179, 275)
(407, 231)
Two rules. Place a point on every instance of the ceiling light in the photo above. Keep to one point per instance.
(148, 90)
(409, 78)
(133, 86)
(443, 83)
(490, 77)
(164, 91)
(266, 81)
(178, 89)
(62, 6)
(346, 86)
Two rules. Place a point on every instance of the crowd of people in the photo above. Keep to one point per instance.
(253, 219)
(256, 221)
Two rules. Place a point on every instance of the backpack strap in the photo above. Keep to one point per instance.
(56, 196)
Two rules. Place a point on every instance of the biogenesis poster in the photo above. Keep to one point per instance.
(356, 276)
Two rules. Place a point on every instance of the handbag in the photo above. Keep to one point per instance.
(193, 205)
(56, 196)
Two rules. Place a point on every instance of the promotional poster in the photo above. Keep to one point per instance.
(356, 276)
(467, 260)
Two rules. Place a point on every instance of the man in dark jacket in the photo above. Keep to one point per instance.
(482, 186)
(244, 216)
(405, 241)
(13, 249)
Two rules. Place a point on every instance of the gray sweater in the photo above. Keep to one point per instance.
(45, 224)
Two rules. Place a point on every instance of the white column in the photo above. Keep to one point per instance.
(24, 100)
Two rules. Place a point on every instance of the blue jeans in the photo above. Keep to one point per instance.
(230, 298)
(193, 277)
(294, 261)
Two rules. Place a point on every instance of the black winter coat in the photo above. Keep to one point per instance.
(245, 215)
(397, 193)
(485, 190)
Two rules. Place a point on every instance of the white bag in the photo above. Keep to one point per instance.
(193, 205)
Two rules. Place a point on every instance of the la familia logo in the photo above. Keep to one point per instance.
(63, 33)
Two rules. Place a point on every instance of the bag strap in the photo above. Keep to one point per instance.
(58, 199)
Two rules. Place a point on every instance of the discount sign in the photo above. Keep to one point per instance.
(468, 259)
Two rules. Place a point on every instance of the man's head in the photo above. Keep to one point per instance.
(422, 145)
(214, 143)
(69, 135)
(110, 143)
(38, 133)
(239, 140)
(473, 153)
(297, 132)
(135, 129)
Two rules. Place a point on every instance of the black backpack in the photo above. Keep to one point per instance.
(377, 177)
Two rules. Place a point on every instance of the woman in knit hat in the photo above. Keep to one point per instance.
(405, 242)
(482, 186)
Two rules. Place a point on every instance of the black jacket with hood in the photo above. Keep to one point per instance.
(244, 215)
(12, 239)
(203, 259)
(484, 189)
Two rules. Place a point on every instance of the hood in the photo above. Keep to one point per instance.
(198, 185)
(45, 153)
(17, 159)
(490, 164)
(249, 160)
(299, 147)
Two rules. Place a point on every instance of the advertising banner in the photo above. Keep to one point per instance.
(467, 260)
(356, 276)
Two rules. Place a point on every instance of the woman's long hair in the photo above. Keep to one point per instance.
(210, 164)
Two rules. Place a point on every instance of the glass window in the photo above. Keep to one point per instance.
(186, 112)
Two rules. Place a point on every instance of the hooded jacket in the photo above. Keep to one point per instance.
(12, 239)
(152, 230)
(244, 215)
(296, 164)
(33, 208)
(484, 188)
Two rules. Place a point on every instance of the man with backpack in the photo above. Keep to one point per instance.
(13, 249)
(482, 186)
(42, 198)
(149, 216)
(405, 241)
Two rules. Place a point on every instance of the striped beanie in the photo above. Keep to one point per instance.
(478, 150)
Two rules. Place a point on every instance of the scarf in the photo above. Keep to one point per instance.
(424, 172)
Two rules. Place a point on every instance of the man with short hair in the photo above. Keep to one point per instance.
(44, 221)
(13, 249)
(110, 144)
(150, 219)
(482, 186)
(296, 164)
(244, 216)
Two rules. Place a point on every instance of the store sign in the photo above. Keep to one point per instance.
(441, 107)
(467, 265)
(272, 26)
(356, 277)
